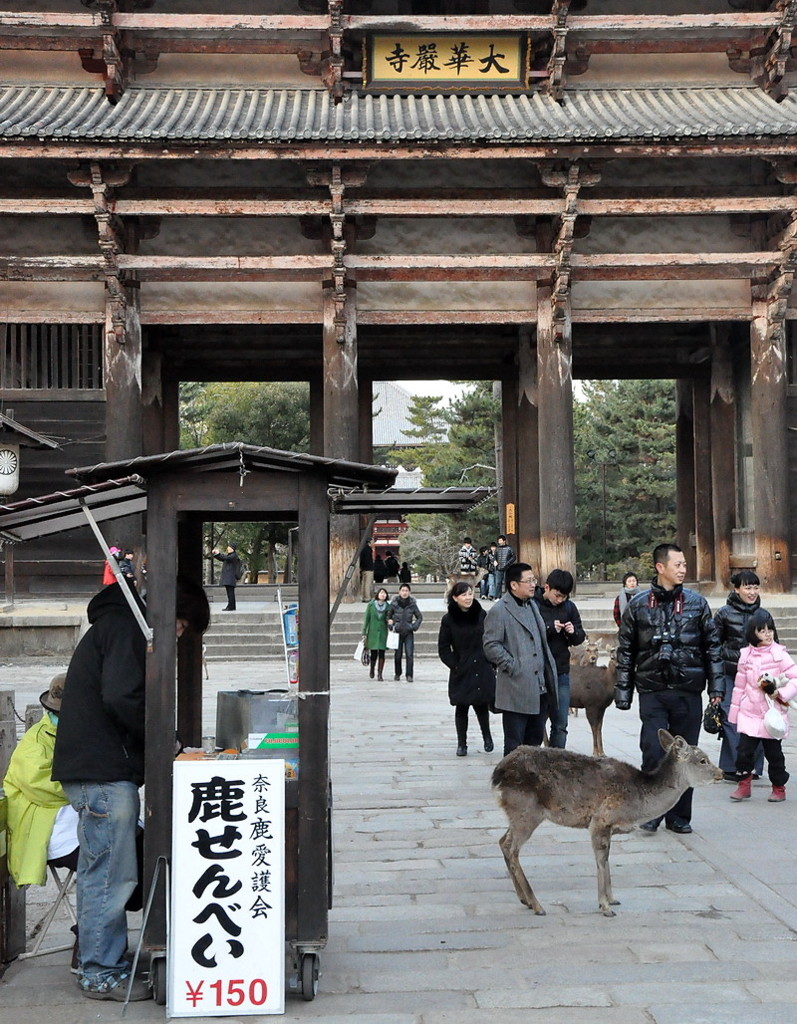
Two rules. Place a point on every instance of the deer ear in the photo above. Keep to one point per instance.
(665, 739)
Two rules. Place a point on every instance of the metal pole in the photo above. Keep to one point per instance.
(144, 626)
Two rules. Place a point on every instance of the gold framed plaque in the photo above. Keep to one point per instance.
(446, 61)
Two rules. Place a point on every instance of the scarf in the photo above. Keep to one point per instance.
(626, 595)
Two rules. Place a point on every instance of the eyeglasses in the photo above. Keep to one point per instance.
(530, 581)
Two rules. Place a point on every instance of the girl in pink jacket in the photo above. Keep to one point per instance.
(762, 658)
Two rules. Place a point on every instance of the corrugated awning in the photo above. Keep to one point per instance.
(112, 494)
(63, 510)
(196, 114)
(236, 456)
(398, 502)
(15, 433)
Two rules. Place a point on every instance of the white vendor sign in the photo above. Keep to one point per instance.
(226, 952)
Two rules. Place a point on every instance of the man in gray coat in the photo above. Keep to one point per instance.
(526, 679)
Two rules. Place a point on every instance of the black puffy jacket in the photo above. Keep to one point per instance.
(668, 641)
(100, 735)
(731, 622)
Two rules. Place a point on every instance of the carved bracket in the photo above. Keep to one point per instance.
(112, 236)
(338, 220)
(115, 60)
(780, 283)
(332, 66)
(557, 61)
(768, 60)
(570, 180)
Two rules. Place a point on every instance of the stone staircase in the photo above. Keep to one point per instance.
(245, 635)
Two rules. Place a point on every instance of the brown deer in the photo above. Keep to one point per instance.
(592, 688)
(537, 784)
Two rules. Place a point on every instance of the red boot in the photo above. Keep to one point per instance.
(778, 793)
(742, 791)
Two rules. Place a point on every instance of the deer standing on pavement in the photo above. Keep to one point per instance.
(537, 784)
(592, 687)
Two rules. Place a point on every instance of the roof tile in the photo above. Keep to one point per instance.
(284, 115)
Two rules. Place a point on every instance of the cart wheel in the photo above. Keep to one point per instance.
(309, 976)
(157, 976)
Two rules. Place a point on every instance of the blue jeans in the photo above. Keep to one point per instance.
(107, 872)
(491, 586)
(499, 583)
(560, 715)
(406, 646)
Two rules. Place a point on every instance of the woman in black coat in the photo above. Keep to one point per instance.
(471, 680)
(731, 623)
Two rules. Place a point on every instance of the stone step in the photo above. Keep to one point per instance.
(256, 635)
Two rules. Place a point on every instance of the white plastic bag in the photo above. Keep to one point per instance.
(774, 720)
(392, 640)
(358, 651)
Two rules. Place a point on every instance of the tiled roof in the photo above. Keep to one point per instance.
(194, 114)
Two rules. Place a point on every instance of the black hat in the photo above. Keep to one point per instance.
(233, 545)
(51, 699)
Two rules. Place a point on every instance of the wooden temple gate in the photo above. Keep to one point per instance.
(295, 217)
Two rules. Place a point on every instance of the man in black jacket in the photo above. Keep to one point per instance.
(99, 760)
(668, 651)
(563, 631)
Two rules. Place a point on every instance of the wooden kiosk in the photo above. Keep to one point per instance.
(229, 482)
(178, 491)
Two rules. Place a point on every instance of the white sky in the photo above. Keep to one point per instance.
(431, 387)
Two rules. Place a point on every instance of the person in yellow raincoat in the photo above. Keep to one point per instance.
(42, 825)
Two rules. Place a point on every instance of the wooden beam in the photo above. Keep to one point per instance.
(168, 24)
(477, 204)
(782, 147)
(398, 267)
(583, 24)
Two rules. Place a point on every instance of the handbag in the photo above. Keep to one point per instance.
(714, 719)
(392, 641)
(360, 653)
(774, 721)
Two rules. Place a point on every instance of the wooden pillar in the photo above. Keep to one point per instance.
(170, 395)
(341, 422)
(685, 473)
(161, 695)
(366, 422)
(556, 454)
(508, 496)
(122, 368)
(189, 646)
(153, 413)
(704, 522)
(723, 452)
(770, 447)
(316, 416)
(528, 467)
(313, 866)
(8, 554)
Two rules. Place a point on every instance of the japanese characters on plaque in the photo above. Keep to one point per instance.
(440, 61)
(227, 939)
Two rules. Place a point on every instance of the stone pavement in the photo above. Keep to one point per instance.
(426, 928)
